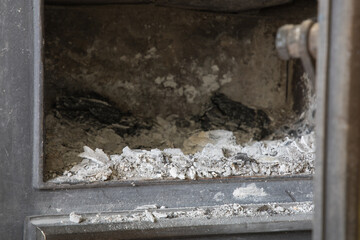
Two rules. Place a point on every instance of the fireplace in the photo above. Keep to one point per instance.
(141, 92)
(174, 119)
(154, 119)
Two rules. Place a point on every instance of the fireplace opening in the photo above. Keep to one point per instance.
(139, 92)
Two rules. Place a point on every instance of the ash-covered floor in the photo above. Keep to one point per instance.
(93, 121)
(89, 139)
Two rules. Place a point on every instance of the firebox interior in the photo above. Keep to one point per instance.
(147, 77)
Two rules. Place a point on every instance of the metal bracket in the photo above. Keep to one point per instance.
(299, 41)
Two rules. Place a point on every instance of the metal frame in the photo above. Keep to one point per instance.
(338, 116)
(59, 227)
(22, 192)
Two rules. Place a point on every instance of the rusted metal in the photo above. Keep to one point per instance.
(299, 41)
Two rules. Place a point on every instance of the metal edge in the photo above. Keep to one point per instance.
(321, 116)
(129, 183)
(31, 231)
(61, 225)
(37, 94)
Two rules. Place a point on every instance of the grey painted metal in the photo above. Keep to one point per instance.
(338, 152)
(59, 227)
(21, 148)
(321, 116)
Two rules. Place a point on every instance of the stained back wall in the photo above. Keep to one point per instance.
(160, 61)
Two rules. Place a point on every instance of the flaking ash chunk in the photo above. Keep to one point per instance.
(98, 156)
(75, 218)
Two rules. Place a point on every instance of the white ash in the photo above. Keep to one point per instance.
(220, 156)
(75, 218)
(250, 190)
(219, 211)
(150, 217)
(160, 215)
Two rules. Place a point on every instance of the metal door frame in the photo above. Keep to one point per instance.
(22, 192)
(338, 122)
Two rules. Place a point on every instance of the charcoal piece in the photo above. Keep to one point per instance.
(263, 208)
(106, 114)
(101, 110)
(235, 110)
(213, 117)
(182, 123)
(234, 116)
(244, 157)
(121, 130)
(131, 128)
(238, 111)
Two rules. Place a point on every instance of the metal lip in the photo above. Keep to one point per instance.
(45, 226)
(135, 183)
(37, 95)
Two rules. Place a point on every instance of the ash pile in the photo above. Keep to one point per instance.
(227, 140)
(121, 146)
